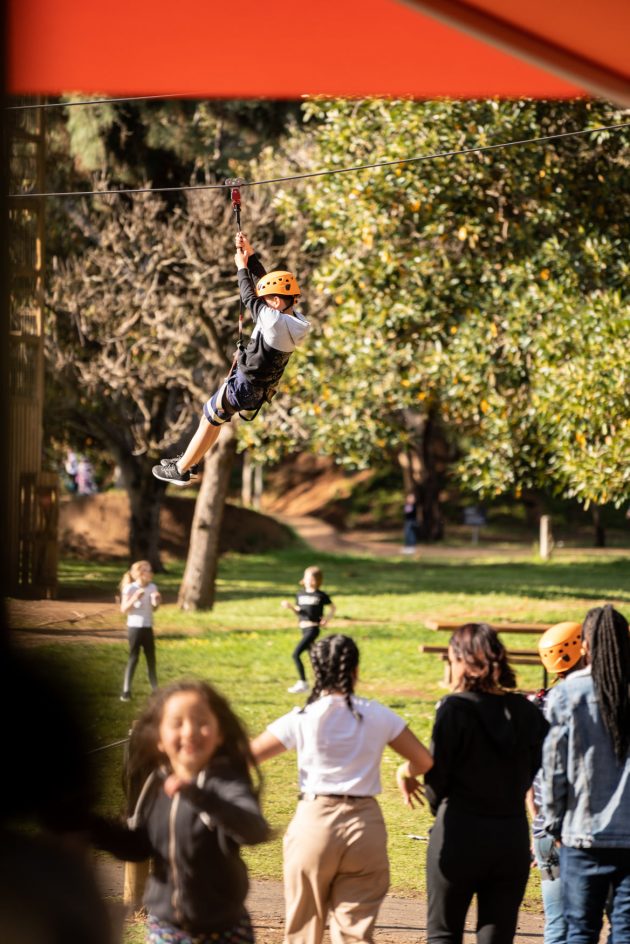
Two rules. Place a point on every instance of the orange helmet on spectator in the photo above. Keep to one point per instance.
(560, 647)
(277, 283)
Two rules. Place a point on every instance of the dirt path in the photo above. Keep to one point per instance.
(401, 920)
(324, 537)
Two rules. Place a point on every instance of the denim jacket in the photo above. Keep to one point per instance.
(586, 790)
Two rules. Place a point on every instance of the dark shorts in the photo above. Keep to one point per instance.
(236, 395)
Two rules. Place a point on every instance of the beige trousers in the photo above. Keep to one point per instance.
(335, 860)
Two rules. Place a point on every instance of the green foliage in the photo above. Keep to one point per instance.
(87, 128)
(461, 285)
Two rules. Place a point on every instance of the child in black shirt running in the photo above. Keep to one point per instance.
(309, 607)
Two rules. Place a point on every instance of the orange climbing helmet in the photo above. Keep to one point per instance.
(277, 283)
(560, 647)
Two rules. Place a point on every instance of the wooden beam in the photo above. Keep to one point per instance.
(448, 626)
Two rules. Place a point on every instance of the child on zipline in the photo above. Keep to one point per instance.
(278, 330)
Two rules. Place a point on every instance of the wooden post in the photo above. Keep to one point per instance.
(546, 539)
(246, 481)
(258, 486)
(30, 530)
(136, 874)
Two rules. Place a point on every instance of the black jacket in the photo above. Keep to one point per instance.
(198, 881)
(486, 751)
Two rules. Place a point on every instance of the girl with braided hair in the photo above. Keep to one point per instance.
(335, 849)
(486, 747)
(586, 780)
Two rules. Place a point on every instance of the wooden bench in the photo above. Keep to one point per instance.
(447, 626)
(516, 656)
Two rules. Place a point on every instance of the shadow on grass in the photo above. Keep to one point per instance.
(250, 577)
(589, 579)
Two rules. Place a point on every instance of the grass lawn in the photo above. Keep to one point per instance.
(244, 645)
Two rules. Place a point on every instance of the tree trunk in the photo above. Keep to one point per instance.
(422, 473)
(145, 498)
(432, 524)
(600, 532)
(197, 589)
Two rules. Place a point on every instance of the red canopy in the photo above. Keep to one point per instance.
(422, 48)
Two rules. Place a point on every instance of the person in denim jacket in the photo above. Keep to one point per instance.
(586, 780)
(560, 650)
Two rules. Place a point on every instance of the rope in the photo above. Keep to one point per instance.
(91, 101)
(324, 173)
(106, 747)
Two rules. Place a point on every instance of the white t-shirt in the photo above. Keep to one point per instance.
(141, 612)
(281, 331)
(336, 752)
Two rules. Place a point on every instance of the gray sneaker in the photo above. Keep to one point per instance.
(170, 475)
(194, 469)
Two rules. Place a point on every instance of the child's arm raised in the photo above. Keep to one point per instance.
(254, 264)
(249, 269)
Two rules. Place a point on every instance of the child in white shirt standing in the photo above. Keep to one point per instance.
(139, 598)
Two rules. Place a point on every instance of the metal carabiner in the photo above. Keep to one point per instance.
(235, 195)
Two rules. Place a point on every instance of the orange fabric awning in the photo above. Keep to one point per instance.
(421, 48)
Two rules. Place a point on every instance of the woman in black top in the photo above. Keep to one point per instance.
(486, 747)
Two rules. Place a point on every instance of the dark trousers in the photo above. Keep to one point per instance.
(140, 637)
(308, 638)
(587, 877)
(468, 855)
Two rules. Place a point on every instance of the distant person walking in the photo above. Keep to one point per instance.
(586, 780)
(139, 598)
(335, 848)
(410, 519)
(71, 467)
(85, 477)
(309, 607)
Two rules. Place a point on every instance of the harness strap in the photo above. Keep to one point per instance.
(235, 195)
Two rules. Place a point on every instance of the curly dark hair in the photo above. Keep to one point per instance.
(606, 631)
(478, 646)
(143, 753)
(334, 660)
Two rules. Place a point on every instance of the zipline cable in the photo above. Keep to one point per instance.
(325, 173)
(92, 101)
(106, 747)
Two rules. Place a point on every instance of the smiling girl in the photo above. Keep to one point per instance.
(197, 807)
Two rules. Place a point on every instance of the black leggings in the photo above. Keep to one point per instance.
(468, 855)
(140, 637)
(308, 638)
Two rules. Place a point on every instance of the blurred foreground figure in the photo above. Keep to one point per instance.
(48, 892)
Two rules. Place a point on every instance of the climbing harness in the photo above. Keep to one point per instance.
(235, 195)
